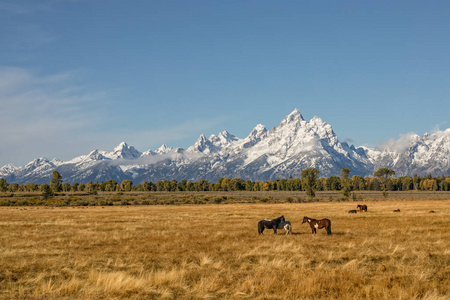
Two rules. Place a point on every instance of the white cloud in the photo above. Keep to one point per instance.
(41, 114)
(399, 145)
(153, 159)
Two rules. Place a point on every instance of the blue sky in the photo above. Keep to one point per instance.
(81, 75)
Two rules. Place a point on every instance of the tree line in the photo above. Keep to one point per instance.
(309, 182)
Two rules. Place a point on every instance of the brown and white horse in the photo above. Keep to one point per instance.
(318, 224)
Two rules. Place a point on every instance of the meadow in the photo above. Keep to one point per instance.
(195, 251)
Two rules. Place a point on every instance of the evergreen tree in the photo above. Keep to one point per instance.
(46, 191)
(56, 182)
(309, 177)
(3, 185)
(345, 182)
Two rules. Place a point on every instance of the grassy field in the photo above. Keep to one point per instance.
(213, 251)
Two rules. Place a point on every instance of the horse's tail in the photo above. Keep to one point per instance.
(329, 227)
(260, 227)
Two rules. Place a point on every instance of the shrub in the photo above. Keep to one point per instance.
(23, 202)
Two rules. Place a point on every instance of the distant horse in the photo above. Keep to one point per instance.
(353, 211)
(318, 224)
(362, 207)
(397, 210)
(270, 224)
(286, 225)
(432, 211)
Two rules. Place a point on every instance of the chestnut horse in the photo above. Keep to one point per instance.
(318, 224)
(362, 207)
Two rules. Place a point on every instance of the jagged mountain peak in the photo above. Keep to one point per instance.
(259, 128)
(123, 150)
(38, 161)
(256, 135)
(225, 136)
(121, 146)
(294, 117)
(7, 169)
(201, 145)
(163, 149)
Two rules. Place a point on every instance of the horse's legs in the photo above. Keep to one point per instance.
(288, 229)
(274, 230)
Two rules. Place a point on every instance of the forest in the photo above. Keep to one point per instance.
(382, 180)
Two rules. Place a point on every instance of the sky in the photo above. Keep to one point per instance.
(82, 75)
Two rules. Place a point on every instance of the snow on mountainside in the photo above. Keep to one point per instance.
(413, 154)
(295, 144)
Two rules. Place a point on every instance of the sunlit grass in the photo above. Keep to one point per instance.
(214, 251)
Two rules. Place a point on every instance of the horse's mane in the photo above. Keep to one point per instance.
(278, 219)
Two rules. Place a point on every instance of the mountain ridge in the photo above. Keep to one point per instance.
(293, 145)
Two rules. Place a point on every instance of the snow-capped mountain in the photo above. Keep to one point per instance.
(295, 144)
(414, 154)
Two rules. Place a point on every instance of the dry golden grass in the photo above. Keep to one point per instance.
(214, 251)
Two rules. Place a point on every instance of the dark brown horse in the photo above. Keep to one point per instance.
(362, 207)
(270, 224)
(397, 210)
(318, 224)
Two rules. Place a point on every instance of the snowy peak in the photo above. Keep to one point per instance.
(37, 162)
(124, 151)
(214, 143)
(163, 149)
(7, 169)
(225, 136)
(294, 117)
(202, 145)
(256, 135)
(322, 129)
(97, 155)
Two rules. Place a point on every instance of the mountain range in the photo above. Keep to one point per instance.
(283, 152)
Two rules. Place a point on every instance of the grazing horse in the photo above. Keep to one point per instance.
(432, 211)
(318, 224)
(270, 224)
(397, 210)
(353, 211)
(362, 207)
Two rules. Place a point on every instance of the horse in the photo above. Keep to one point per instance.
(432, 211)
(318, 224)
(286, 225)
(353, 211)
(362, 207)
(397, 210)
(270, 224)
